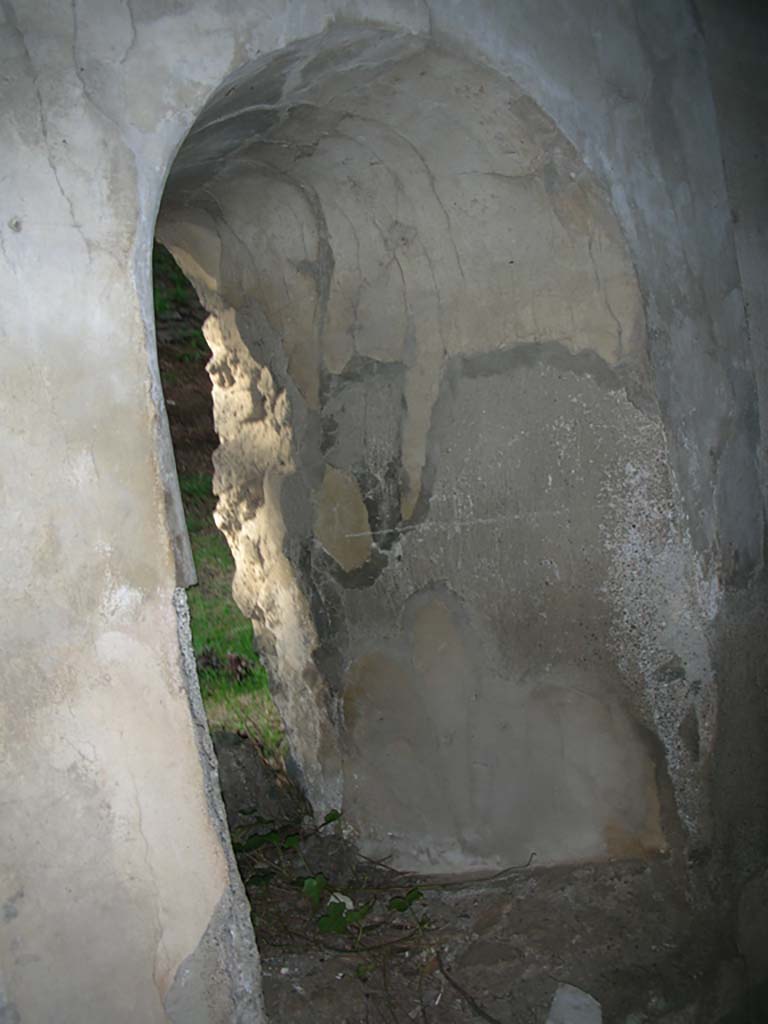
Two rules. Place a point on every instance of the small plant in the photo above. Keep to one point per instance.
(342, 915)
(170, 287)
(404, 903)
(279, 857)
(178, 315)
(306, 897)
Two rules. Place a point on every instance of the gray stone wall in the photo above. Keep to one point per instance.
(487, 393)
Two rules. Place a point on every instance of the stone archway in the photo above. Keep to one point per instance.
(442, 472)
(403, 559)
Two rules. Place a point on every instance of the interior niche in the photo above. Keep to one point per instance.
(442, 471)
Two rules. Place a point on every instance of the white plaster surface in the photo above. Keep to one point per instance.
(572, 1006)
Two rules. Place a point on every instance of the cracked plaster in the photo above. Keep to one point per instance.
(97, 98)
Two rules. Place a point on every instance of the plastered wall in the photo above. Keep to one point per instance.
(496, 522)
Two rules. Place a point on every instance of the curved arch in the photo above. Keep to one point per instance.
(97, 732)
(393, 242)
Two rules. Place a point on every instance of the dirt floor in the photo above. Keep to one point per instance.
(398, 948)
(347, 941)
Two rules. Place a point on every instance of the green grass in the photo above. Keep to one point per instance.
(234, 684)
(171, 288)
(174, 296)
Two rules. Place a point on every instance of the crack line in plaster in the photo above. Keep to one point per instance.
(427, 170)
(374, 61)
(294, 90)
(409, 327)
(160, 947)
(430, 18)
(4, 251)
(79, 72)
(321, 268)
(67, 199)
(207, 192)
(324, 263)
(359, 289)
(132, 43)
(12, 20)
(603, 290)
(436, 525)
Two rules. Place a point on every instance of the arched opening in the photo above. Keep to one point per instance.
(233, 683)
(443, 480)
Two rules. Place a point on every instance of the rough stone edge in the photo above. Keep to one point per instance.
(236, 942)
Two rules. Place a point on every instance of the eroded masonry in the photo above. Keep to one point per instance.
(442, 468)
(487, 313)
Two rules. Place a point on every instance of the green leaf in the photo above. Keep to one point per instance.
(331, 816)
(255, 842)
(356, 916)
(291, 842)
(314, 888)
(403, 903)
(334, 920)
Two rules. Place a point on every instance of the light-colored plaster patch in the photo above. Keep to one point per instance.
(341, 520)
